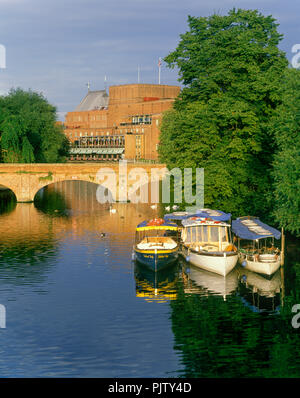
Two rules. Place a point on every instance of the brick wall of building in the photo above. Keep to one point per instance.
(134, 112)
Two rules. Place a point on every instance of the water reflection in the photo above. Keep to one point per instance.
(8, 200)
(52, 202)
(199, 281)
(260, 293)
(27, 245)
(159, 286)
(78, 306)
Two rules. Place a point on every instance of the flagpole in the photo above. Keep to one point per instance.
(159, 66)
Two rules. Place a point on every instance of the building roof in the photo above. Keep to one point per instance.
(93, 100)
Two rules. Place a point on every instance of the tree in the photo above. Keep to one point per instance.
(28, 128)
(231, 69)
(286, 173)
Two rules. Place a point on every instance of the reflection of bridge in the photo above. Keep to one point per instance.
(25, 180)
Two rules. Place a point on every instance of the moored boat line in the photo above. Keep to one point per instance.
(206, 242)
(204, 248)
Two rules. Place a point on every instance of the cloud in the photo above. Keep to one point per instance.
(57, 46)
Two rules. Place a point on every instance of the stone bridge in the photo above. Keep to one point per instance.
(25, 180)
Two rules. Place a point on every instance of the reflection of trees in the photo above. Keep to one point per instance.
(27, 244)
(220, 338)
(7, 201)
(52, 202)
(24, 262)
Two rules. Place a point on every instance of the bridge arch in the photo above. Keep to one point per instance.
(25, 180)
(103, 188)
(6, 187)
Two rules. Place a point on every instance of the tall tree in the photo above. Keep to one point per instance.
(286, 173)
(28, 128)
(231, 69)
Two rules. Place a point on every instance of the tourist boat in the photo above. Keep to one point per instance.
(206, 241)
(156, 244)
(256, 248)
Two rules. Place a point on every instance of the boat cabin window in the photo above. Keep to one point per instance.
(214, 234)
(224, 234)
(205, 234)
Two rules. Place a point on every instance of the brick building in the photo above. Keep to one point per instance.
(123, 124)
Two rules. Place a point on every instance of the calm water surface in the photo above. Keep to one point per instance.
(77, 306)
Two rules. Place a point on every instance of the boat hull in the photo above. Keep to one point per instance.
(260, 267)
(156, 260)
(220, 263)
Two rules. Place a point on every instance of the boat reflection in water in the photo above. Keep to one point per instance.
(159, 286)
(258, 292)
(200, 281)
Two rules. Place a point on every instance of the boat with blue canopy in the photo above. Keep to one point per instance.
(256, 245)
(156, 243)
(206, 241)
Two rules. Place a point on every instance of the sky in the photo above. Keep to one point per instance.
(55, 47)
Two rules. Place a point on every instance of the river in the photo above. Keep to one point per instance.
(77, 306)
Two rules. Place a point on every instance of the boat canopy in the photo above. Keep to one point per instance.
(216, 215)
(178, 215)
(252, 228)
(199, 221)
(151, 225)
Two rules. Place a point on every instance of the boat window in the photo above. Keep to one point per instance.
(214, 234)
(194, 234)
(223, 234)
(205, 234)
(188, 235)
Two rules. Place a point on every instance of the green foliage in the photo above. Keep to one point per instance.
(28, 129)
(286, 197)
(231, 68)
(48, 177)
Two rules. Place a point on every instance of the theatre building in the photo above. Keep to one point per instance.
(122, 125)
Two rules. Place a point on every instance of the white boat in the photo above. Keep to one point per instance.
(206, 242)
(256, 248)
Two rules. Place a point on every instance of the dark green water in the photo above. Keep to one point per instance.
(76, 305)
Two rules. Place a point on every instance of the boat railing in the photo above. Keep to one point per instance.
(260, 255)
